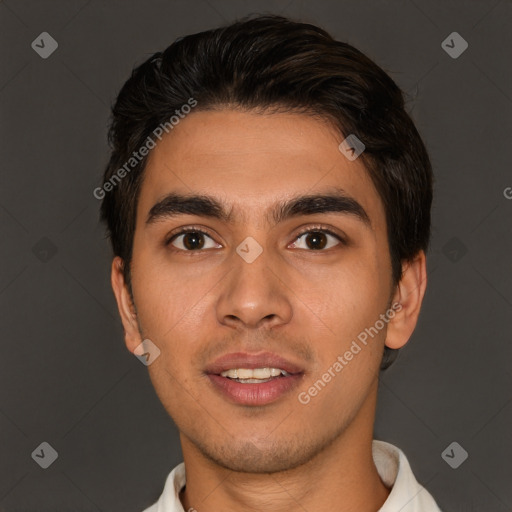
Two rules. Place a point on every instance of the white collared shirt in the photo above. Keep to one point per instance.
(406, 495)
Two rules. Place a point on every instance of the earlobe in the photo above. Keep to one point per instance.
(409, 294)
(125, 305)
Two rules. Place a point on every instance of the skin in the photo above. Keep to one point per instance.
(306, 305)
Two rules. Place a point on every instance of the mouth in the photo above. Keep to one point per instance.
(254, 376)
(253, 379)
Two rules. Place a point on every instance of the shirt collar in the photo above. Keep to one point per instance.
(406, 495)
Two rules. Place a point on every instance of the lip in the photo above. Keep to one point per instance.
(252, 361)
(254, 394)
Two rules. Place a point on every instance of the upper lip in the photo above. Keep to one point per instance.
(251, 361)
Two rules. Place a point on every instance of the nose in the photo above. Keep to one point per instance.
(252, 295)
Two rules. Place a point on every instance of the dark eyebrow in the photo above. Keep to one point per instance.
(174, 204)
(338, 202)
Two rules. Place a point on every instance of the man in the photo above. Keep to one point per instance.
(268, 202)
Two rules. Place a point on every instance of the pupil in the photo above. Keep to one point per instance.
(316, 240)
(193, 240)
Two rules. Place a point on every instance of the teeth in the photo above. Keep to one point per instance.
(256, 373)
(251, 381)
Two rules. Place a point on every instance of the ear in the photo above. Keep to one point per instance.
(132, 337)
(409, 294)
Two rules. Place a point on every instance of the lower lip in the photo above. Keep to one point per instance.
(255, 394)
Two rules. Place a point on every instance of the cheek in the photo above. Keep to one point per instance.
(349, 295)
(176, 312)
(348, 353)
(159, 307)
(346, 307)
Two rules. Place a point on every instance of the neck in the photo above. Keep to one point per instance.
(342, 477)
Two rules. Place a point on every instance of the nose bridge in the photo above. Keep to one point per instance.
(251, 293)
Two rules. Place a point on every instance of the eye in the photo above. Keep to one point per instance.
(317, 239)
(192, 239)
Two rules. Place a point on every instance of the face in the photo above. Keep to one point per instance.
(252, 276)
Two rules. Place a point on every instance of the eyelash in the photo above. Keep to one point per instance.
(309, 229)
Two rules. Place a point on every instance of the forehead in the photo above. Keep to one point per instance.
(249, 161)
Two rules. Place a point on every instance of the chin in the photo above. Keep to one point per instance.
(247, 457)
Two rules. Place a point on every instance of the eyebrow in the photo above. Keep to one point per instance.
(173, 205)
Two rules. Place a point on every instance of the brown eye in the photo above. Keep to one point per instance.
(316, 240)
(192, 240)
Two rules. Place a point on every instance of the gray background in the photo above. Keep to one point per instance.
(65, 375)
